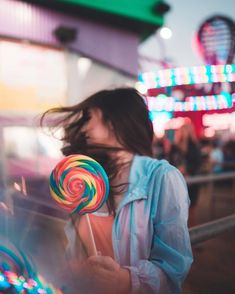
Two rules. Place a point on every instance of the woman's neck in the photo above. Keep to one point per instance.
(124, 157)
(124, 160)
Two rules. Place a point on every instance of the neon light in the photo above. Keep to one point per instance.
(160, 119)
(175, 123)
(8, 279)
(217, 120)
(192, 75)
(191, 103)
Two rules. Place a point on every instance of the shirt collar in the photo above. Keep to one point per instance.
(137, 189)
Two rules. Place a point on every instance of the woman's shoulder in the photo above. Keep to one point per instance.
(148, 172)
(147, 165)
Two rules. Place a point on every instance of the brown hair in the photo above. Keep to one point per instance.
(127, 111)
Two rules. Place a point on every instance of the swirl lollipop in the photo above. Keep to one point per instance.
(79, 184)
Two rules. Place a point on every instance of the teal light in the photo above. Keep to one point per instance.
(193, 103)
(183, 76)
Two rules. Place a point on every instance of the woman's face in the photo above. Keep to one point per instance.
(97, 131)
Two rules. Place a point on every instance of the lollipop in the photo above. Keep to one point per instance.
(79, 184)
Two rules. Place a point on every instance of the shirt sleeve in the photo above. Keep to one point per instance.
(171, 255)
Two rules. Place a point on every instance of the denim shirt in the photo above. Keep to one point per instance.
(150, 234)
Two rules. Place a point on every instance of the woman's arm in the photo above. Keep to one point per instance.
(171, 256)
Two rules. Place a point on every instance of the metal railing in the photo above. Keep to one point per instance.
(198, 234)
(210, 178)
(211, 229)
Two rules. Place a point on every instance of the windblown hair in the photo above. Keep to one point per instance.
(125, 109)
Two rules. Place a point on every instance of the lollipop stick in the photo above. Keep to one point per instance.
(90, 232)
(94, 250)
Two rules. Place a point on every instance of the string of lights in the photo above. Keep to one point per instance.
(192, 103)
(189, 76)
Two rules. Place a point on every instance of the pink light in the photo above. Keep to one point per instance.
(209, 132)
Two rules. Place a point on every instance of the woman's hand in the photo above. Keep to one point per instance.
(107, 274)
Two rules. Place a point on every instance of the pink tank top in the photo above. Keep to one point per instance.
(102, 231)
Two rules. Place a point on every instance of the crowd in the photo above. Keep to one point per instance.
(194, 156)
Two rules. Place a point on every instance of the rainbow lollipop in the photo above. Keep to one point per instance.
(79, 184)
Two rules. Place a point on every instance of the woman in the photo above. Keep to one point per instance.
(141, 232)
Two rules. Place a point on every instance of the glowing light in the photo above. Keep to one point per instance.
(8, 279)
(160, 120)
(175, 123)
(218, 121)
(140, 87)
(17, 186)
(191, 75)
(165, 33)
(23, 186)
(209, 132)
(83, 65)
(191, 103)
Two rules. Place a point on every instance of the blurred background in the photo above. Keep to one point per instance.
(179, 54)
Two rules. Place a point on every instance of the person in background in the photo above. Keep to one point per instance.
(229, 155)
(205, 147)
(186, 156)
(216, 157)
(161, 147)
(141, 232)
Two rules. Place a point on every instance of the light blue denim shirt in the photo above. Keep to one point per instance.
(150, 234)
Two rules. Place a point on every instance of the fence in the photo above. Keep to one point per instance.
(209, 178)
(211, 229)
(198, 233)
